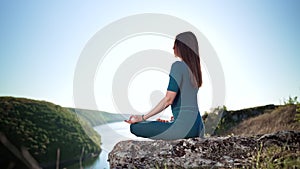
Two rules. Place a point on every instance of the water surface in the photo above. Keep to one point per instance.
(111, 134)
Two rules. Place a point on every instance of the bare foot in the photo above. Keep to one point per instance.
(165, 121)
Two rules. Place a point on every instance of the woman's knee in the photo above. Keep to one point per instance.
(133, 128)
(138, 129)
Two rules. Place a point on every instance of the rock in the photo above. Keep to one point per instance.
(219, 152)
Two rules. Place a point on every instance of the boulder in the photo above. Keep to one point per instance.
(223, 152)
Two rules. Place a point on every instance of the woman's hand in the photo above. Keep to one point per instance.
(164, 103)
(134, 119)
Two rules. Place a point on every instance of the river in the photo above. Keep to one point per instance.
(111, 134)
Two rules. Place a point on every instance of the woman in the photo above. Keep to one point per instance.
(185, 80)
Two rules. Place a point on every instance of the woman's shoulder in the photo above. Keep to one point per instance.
(179, 65)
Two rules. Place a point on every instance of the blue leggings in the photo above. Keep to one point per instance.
(178, 129)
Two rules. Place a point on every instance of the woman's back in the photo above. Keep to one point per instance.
(186, 98)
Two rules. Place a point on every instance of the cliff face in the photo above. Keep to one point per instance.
(234, 151)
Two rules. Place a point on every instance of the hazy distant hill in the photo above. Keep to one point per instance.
(42, 128)
(96, 118)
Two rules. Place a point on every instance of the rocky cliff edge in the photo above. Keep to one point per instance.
(223, 152)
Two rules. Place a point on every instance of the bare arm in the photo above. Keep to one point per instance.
(163, 104)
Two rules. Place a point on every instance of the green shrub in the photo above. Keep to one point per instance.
(291, 100)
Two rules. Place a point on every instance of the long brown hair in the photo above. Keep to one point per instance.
(187, 46)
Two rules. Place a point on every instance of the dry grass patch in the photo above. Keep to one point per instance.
(282, 118)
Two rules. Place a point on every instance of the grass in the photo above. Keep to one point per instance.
(276, 157)
(281, 118)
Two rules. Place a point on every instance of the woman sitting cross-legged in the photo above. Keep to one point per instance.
(185, 81)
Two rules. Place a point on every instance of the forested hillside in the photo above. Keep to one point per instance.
(44, 130)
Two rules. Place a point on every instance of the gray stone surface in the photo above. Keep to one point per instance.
(219, 152)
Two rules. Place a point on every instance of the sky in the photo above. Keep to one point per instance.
(256, 41)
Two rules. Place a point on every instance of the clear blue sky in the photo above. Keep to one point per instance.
(257, 42)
